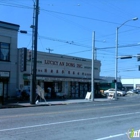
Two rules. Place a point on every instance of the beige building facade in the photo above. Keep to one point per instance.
(62, 74)
(56, 73)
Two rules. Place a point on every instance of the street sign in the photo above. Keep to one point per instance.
(126, 57)
(88, 95)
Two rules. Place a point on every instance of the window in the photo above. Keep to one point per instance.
(4, 51)
(62, 71)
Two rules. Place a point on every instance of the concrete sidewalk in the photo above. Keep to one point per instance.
(52, 102)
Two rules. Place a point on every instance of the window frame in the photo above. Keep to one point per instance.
(8, 54)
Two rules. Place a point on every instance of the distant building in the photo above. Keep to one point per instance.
(8, 59)
(131, 83)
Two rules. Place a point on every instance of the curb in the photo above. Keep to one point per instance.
(22, 105)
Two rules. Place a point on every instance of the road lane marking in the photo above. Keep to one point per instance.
(70, 121)
(66, 111)
(114, 136)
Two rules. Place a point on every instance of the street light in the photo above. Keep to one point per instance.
(116, 59)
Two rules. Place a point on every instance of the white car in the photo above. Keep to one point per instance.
(131, 91)
(112, 90)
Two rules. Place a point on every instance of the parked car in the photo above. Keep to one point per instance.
(132, 91)
(112, 90)
(23, 95)
(137, 91)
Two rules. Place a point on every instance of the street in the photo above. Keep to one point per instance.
(84, 121)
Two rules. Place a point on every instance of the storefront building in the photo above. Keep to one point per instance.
(59, 74)
(8, 59)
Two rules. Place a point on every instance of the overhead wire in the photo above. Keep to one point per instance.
(73, 43)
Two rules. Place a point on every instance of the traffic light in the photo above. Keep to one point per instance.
(114, 81)
(138, 57)
(139, 68)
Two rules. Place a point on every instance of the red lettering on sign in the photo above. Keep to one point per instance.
(79, 65)
(61, 63)
(70, 64)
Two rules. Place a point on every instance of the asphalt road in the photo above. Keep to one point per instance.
(85, 121)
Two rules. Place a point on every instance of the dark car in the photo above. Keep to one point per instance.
(25, 94)
(137, 91)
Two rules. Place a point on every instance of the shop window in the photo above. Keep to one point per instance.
(39, 70)
(4, 51)
(58, 87)
(26, 83)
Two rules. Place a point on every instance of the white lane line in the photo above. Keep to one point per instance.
(70, 121)
(112, 136)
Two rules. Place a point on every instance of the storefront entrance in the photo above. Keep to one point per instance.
(3, 90)
(79, 90)
(51, 88)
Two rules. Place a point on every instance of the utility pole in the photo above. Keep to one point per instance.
(32, 52)
(49, 49)
(92, 73)
(33, 94)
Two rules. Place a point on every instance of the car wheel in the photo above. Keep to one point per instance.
(119, 94)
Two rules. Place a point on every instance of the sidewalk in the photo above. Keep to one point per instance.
(51, 102)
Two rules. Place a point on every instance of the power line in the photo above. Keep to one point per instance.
(89, 18)
(56, 12)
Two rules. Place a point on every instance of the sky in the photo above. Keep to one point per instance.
(66, 27)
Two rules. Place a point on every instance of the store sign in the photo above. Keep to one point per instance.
(88, 95)
(23, 57)
(4, 74)
(68, 64)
